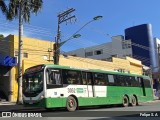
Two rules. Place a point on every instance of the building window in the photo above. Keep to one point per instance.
(114, 55)
(74, 55)
(98, 52)
(126, 44)
(89, 54)
(25, 55)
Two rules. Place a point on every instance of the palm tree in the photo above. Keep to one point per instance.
(3, 7)
(25, 6)
(23, 10)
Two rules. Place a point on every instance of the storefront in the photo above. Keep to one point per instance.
(6, 64)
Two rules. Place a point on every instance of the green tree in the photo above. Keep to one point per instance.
(21, 9)
(1, 36)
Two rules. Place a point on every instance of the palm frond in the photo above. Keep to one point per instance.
(13, 9)
(28, 7)
(3, 7)
(36, 6)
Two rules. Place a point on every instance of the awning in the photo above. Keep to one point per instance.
(8, 61)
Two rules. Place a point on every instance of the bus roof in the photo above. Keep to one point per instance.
(92, 70)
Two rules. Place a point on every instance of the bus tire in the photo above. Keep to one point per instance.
(133, 101)
(125, 101)
(71, 104)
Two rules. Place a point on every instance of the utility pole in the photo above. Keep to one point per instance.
(19, 100)
(62, 17)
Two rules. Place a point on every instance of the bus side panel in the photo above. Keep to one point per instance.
(116, 93)
(148, 97)
(98, 97)
(54, 102)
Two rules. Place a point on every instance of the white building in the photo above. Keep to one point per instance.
(155, 56)
(118, 47)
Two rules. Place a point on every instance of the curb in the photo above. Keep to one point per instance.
(153, 101)
(7, 103)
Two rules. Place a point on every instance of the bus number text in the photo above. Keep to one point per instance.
(71, 90)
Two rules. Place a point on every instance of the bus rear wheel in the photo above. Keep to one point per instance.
(71, 104)
(133, 101)
(125, 101)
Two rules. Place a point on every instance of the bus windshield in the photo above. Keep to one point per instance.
(33, 83)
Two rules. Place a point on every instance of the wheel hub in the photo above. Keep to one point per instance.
(71, 103)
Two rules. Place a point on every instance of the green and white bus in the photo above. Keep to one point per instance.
(54, 86)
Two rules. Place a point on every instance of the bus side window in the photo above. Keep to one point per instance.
(117, 79)
(89, 78)
(147, 83)
(129, 81)
(54, 77)
(84, 79)
(72, 77)
(106, 79)
(99, 79)
(111, 80)
(137, 81)
(122, 80)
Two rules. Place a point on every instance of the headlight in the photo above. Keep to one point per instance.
(42, 96)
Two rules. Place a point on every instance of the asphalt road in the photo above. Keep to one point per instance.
(147, 111)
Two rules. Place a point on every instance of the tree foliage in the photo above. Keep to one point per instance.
(3, 7)
(11, 10)
(1, 36)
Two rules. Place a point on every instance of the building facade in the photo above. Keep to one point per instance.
(137, 43)
(118, 47)
(34, 52)
(142, 43)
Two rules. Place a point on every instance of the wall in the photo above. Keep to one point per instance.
(36, 49)
(135, 66)
(117, 42)
(5, 46)
(113, 48)
(129, 64)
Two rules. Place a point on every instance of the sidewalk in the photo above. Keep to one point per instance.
(9, 106)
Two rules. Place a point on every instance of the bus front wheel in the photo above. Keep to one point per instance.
(125, 101)
(71, 104)
(133, 101)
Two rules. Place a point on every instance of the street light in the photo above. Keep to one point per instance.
(94, 19)
(72, 37)
(57, 47)
(97, 17)
(75, 35)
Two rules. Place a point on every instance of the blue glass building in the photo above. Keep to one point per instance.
(142, 42)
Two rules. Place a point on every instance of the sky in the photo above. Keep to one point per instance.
(117, 16)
